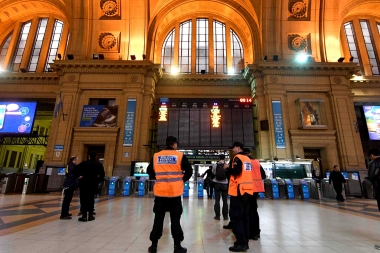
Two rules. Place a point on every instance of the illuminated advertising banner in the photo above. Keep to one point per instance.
(278, 124)
(17, 117)
(99, 116)
(372, 117)
(129, 122)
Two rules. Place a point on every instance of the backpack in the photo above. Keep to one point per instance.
(220, 173)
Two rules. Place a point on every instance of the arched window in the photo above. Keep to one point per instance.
(209, 55)
(36, 44)
(362, 37)
(167, 54)
(4, 49)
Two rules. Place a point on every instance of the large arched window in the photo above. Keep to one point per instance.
(204, 52)
(363, 44)
(37, 43)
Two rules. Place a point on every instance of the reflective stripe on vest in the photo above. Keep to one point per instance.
(244, 180)
(169, 176)
(258, 185)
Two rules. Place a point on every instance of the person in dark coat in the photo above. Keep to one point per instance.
(208, 182)
(337, 178)
(374, 174)
(69, 186)
(89, 173)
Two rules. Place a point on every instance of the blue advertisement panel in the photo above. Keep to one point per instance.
(17, 117)
(372, 117)
(129, 122)
(99, 116)
(278, 124)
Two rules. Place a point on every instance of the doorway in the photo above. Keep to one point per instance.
(315, 155)
(98, 149)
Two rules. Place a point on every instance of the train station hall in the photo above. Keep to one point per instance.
(296, 82)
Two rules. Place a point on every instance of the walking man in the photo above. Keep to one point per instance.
(171, 169)
(337, 178)
(220, 183)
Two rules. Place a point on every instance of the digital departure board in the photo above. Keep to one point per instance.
(206, 123)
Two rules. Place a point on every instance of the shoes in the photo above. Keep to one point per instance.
(238, 248)
(152, 249)
(65, 218)
(225, 218)
(179, 249)
(217, 218)
(228, 226)
(254, 237)
(84, 219)
(91, 218)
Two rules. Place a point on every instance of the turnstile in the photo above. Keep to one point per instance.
(186, 189)
(200, 187)
(367, 189)
(304, 189)
(128, 186)
(271, 188)
(289, 189)
(114, 187)
(9, 183)
(281, 188)
(29, 183)
(142, 187)
(315, 189)
(104, 186)
(329, 191)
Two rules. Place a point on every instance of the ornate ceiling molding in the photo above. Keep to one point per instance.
(365, 82)
(202, 80)
(29, 78)
(301, 69)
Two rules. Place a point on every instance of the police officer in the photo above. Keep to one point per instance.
(258, 174)
(171, 169)
(240, 188)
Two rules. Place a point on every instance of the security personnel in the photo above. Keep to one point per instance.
(171, 169)
(258, 174)
(240, 188)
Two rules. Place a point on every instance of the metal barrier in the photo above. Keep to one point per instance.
(9, 183)
(30, 183)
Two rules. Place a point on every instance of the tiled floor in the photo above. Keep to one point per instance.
(30, 223)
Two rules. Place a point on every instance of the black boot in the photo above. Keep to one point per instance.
(178, 248)
(153, 248)
(83, 218)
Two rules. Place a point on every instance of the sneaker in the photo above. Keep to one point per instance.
(217, 218)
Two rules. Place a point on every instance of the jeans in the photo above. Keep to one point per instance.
(221, 189)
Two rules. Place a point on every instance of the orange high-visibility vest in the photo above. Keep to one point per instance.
(169, 176)
(258, 185)
(244, 180)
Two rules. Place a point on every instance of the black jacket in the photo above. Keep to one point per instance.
(71, 180)
(373, 166)
(337, 178)
(185, 167)
(92, 172)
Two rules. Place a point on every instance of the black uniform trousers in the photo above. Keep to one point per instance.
(239, 208)
(174, 207)
(86, 201)
(69, 192)
(254, 220)
(338, 190)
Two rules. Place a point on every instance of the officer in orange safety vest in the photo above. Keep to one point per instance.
(240, 188)
(258, 174)
(171, 169)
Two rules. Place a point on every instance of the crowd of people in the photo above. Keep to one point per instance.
(241, 179)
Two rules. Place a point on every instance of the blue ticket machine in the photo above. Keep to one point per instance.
(127, 186)
(112, 185)
(304, 189)
(261, 195)
(186, 189)
(289, 189)
(276, 192)
(141, 186)
(200, 187)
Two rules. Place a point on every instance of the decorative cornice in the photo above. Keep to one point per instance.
(300, 69)
(29, 78)
(312, 133)
(107, 67)
(365, 82)
(202, 80)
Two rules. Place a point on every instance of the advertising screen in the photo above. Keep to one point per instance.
(99, 116)
(372, 117)
(17, 117)
(139, 169)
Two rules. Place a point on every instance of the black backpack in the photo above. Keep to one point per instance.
(220, 173)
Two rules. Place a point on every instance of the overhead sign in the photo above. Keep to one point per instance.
(58, 147)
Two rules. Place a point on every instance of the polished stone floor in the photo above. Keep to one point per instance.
(30, 223)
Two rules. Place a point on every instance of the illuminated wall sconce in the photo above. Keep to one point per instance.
(95, 57)
(133, 57)
(341, 59)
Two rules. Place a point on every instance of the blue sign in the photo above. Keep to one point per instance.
(167, 159)
(61, 171)
(345, 174)
(58, 147)
(129, 122)
(99, 116)
(17, 117)
(164, 100)
(278, 124)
